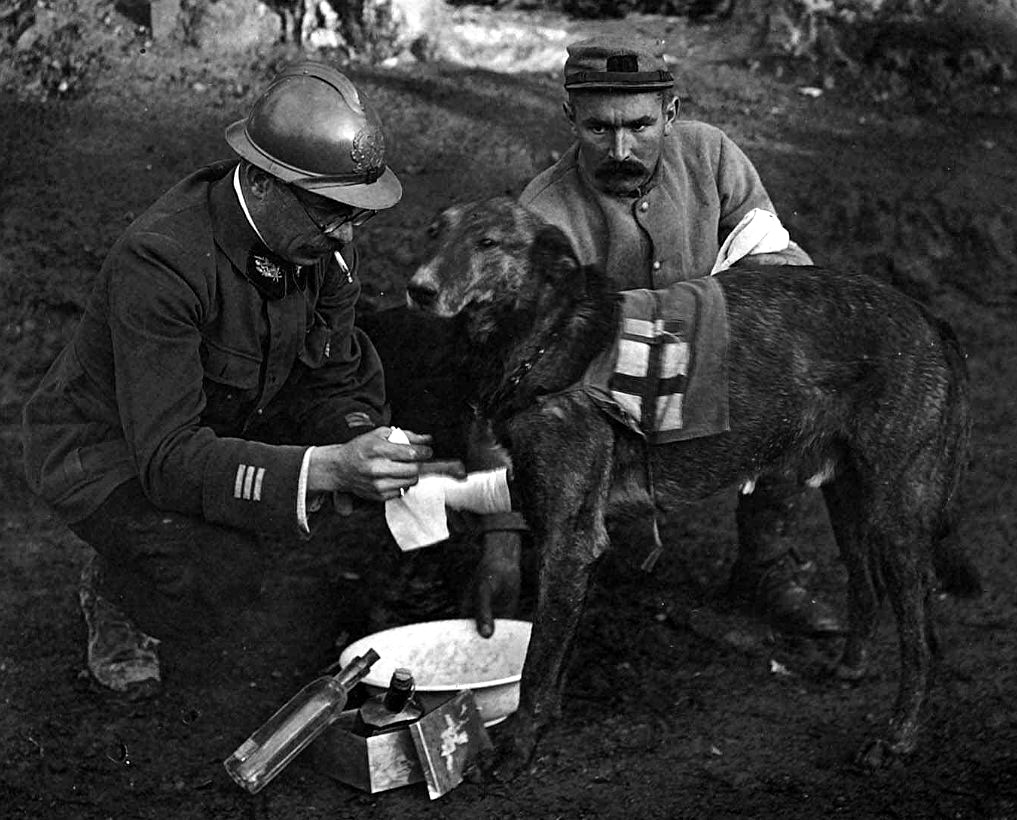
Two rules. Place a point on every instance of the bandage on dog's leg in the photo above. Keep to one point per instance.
(482, 492)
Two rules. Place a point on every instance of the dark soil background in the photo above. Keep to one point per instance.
(678, 707)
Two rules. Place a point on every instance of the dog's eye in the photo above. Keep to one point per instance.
(488, 242)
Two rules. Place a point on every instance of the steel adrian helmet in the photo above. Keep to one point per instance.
(310, 128)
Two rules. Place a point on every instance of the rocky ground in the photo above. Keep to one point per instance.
(679, 707)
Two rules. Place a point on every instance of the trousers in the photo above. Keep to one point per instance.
(177, 575)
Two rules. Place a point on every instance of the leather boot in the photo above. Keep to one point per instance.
(769, 574)
(777, 590)
(121, 657)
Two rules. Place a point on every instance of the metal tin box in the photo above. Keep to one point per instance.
(372, 764)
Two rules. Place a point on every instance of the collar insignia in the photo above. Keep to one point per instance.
(269, 269)
(273, 277)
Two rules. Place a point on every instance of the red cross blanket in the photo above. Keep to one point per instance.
(666, 375)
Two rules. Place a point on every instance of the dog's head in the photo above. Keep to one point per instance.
(493, 260)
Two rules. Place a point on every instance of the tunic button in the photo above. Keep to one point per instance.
(656, 265)
(644, 206)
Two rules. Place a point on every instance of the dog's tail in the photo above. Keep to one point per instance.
(957, 573)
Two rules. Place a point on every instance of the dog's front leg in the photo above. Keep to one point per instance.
(566, 481)
(564, 584)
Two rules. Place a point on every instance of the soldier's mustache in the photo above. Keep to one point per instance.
(624, 169)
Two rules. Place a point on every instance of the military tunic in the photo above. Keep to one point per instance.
(673, 229)
(192, 342)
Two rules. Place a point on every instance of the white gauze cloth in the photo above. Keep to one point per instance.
(758, 232)
(417, 518)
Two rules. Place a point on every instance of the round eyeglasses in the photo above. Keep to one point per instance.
(354, 216)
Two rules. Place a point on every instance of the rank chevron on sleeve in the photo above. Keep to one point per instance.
(248, 482)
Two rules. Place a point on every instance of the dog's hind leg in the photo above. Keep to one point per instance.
(885, 543)
(908, 587)
(864, 587)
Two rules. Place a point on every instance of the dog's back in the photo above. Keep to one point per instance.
(877, 383)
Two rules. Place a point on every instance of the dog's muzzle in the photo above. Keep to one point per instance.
(421, 296)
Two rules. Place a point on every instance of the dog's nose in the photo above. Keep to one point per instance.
(423, 296)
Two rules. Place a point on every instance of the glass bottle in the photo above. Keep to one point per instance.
(289, 731)
(392, 709)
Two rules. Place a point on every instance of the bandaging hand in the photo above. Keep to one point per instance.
(417, 518)
(369, 465)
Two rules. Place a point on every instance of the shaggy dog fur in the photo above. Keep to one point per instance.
(835, 379)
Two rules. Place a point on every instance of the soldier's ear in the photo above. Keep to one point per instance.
(570, 114)
(256, 180)
(670, 114)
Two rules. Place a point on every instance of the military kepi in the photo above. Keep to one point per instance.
(619, 63)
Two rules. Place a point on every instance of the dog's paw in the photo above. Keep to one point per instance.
(846, 672)
(515, 743)
(878, 754)
(506, 765)
(473, 773)
(854, 663)
(501, 764)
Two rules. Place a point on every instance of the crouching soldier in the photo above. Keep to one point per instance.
(217, 387)
(655, 200)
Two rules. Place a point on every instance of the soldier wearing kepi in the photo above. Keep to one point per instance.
(653, 201)
(216, 387)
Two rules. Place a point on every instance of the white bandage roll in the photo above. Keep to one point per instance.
(418, 518)
(481, 492)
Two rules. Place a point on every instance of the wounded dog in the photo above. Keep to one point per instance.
(834, 378)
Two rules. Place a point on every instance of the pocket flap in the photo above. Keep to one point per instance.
(231, 367)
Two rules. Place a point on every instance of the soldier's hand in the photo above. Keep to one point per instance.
(369, 466)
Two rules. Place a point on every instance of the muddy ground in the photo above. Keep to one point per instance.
(679, 706)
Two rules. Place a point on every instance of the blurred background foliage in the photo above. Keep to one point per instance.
(51, 48)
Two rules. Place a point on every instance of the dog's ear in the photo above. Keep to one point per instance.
(553, 260)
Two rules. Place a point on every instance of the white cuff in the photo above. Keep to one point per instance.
(302, 493)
